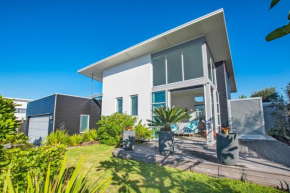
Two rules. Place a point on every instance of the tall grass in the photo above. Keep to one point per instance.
(76, 139)
(62, 137)
(61, 183)
(90, 135)
(58, 137)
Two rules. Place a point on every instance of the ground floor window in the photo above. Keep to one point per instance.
(120, 105)
(158, 99)
(134, 105)
(85, 123)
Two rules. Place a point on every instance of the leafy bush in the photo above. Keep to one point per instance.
(32, 160)
(57, 137)
(268, 94)
(18, 139)
(75, 139)
(111, 127)
(54, 183)
(90, 135)
(8, 123)
(142, 132)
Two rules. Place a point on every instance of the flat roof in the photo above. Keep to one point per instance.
(19, 99)
(212, 26)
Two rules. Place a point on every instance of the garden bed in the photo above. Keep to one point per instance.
(135, 176)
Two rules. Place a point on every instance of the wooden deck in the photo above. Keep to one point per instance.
(253, 165)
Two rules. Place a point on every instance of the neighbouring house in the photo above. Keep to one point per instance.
(189, 66)
(20, 111)
(59, 111)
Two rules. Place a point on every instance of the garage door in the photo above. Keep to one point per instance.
(38, 128)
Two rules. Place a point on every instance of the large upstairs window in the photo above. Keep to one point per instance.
(174, 67)
(211, 67)
(181, 64)
(159, 76)
(192, 61)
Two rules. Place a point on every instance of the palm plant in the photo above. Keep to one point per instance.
(243, 96)
(165, 116)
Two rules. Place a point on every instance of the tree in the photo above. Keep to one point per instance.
(243, 96)
(280, 113)
(8, 123)
(281, 31)
(268, 94)
(165, 116)
(287, 91)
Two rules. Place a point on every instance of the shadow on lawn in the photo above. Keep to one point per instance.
(156, 178)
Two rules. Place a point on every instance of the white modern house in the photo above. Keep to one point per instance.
(188, 66)
(20, 109)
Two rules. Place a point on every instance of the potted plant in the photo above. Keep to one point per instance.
(227, 147)
(225, 130)
(128, 141)
(163, 117)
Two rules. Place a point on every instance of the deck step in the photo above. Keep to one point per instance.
(276, 180)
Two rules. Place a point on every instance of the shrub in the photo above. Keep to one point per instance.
(28, 159)
(90, 135)
(57, 137)
(268, 94)
(75, 139)
(20, 138)
(142, 132)
(57, 183)
(111, 127)
(8, 123)
(32, 160)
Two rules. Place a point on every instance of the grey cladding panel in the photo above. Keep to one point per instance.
(69, 109)
(43, 106)
(223, 93)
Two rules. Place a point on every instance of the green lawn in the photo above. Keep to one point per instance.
(134, 176)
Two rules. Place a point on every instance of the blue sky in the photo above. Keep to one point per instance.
(44, 43)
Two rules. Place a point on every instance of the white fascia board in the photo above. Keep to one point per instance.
(151, 40)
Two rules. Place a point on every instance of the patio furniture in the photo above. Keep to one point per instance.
(191, 127)
(174, 127)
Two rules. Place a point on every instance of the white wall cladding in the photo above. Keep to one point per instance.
(127, 79)
(247, 119)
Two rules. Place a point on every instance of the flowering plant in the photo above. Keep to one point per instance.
(225, 130)
(128, 128)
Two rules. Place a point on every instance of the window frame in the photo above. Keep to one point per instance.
(117, 105)
(81, 115)
(181, 49)
(131, 102)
